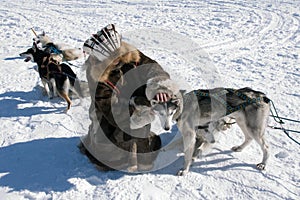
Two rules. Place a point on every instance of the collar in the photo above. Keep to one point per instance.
(112, 86)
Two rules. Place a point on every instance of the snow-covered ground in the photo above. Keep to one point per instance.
(202, 44)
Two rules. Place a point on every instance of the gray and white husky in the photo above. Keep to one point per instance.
(201, 113)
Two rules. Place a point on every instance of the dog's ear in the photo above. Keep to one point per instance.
(176, 101)
(34, 46)
(182, 91)
(154, 102)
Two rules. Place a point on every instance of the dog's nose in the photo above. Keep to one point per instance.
(167, 128)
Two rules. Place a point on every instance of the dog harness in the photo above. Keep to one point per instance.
(45, 64)
(50, 48)
(229, 108)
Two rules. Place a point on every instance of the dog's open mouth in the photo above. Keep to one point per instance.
(26, 57)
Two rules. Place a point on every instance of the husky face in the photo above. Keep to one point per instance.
(206, 134)
(165, 111)
(32, 53)
(28, 55)
(42, 39)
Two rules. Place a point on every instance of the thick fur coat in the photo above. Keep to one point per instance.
(113, 83)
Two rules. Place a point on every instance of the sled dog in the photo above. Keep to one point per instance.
(65, 52)
(202, 112)
(56, 78)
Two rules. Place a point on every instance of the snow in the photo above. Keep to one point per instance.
(202, 44)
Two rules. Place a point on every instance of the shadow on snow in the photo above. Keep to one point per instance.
(11, 102)
(47, 165)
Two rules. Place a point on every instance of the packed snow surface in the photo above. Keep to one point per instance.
(202, 44)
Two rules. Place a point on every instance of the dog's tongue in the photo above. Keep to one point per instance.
(27, 59)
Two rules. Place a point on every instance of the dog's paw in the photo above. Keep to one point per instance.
(45, 93)
(133, 168)
(49, 94)
(66, 110)
(261, 166)
(182, 172)
(236, 149)
(196, 157)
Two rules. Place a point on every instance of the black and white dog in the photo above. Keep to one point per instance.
(65, 52)
(57, 78)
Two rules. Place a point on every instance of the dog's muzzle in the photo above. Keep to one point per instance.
(27, 58)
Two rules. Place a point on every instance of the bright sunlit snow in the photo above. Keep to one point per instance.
(202, 44)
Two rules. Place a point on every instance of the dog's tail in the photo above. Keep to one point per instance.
(72, 54)
(266, 99)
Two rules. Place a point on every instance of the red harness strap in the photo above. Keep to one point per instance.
(115, 88)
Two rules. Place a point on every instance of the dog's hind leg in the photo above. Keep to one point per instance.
(63, 87)
(259, 138)
(258, 130)
(254, 128)
(65, 96)
(264, 147)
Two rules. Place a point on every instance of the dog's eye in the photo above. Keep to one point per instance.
(172, 112)
(161, 113)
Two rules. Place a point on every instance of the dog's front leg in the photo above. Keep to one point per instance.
(133, 165)
(47, 89)
(189, 140)
(53, 87)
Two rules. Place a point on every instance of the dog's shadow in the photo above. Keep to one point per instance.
(48, 165)
(14, 58)
(171, 163)
(12, 103)
(202, 166)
